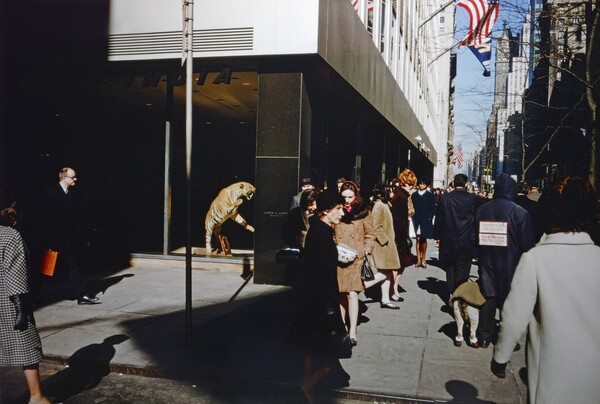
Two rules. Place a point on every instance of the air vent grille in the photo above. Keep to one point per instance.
(205, 40)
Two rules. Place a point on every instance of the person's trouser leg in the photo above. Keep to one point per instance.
(487, 320)
(463, 269)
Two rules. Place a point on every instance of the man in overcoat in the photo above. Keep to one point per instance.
(63, 230)
(455, 232)
(504, 232)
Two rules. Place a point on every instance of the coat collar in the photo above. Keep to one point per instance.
(567, 238)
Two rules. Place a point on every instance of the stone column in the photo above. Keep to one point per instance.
(282, 159)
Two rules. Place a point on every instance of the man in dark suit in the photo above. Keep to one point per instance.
(531, 206)
(455, 232)
(63, 232)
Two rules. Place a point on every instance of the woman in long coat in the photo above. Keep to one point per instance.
(20, 343)
(404, 183)
(356, 231)
(424, 204)
(385, 254)
(319, 313)
(554, 295)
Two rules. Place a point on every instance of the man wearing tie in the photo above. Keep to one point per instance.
(63, 232)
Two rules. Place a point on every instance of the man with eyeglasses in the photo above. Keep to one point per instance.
(64, 233)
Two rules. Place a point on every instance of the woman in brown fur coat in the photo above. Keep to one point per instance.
(356, 231)
(400, 201)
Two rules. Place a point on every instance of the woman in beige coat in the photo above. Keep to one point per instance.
(356, 231)
(554, 295)
(385, 253)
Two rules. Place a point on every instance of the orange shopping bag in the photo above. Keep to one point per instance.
(49, 262)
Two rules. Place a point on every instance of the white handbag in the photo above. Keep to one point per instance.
(346, 254)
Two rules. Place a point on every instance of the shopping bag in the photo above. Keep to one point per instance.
(49, 261)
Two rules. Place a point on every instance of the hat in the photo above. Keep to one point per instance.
(328, 199)
(306, 181)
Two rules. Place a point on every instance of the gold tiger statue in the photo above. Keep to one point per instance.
(225, 206)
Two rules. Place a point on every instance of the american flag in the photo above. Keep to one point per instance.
(483, 15)
(458, 158)
(369, 5)
(483, 53)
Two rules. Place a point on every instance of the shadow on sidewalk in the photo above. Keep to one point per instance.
(56, 290)
(86, 368)
(239, 348)
(463, 392)
(437, 287)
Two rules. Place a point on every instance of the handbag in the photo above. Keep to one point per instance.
(287, 256)
(339, 345)
(49, 260)
(367, 273)
(409, 243)
(346, 254)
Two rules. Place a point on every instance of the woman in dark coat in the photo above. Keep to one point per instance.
(294, 233)
(319, 312)
(424, 204)
(405, 182)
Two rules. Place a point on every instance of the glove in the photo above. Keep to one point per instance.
(499, 369)
(22, 311)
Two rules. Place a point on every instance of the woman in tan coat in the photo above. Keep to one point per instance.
(356, 231)
(385, 254)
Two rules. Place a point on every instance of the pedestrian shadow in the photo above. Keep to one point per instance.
(523, 375)
(55, 291)
(449, 329)
(463, 392)
(86, 368)
(437, 287)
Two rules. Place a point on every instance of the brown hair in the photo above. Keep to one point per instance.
(407, 177)
(569, 205)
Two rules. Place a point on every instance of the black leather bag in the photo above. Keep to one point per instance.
(409, 243)
(367, 273)
(288, 256)
(340, 345)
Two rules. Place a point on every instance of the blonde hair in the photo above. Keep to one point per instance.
(407, 177)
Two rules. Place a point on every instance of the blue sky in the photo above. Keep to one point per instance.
(474, 92)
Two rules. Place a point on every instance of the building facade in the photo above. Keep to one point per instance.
(281, 91)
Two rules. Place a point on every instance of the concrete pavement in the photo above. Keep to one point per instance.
(240, 338)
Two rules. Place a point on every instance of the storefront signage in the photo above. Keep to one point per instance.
(177, 78)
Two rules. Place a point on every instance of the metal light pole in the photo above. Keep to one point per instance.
(188, 60)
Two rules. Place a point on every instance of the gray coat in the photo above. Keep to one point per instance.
(554, 295)
(385, 253)
(17, 348)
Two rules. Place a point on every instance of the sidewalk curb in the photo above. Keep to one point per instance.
(233, 383)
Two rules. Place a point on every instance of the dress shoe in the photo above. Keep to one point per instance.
(484, 344)
(85, 299)
(397, 298)
(353, 341)
(389, 306)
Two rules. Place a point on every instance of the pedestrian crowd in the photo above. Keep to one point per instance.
(537, 258)
(531, 256)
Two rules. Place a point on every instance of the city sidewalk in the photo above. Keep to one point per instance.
(240, 332)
